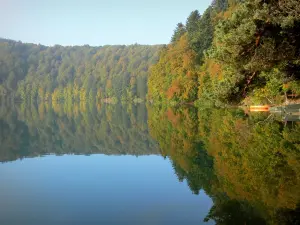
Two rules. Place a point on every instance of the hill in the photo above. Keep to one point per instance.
(36, 72)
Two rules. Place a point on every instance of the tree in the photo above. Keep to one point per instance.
(34, 67)
(255, 42)
(178, 32)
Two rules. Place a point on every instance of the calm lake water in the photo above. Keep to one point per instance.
(82, 163)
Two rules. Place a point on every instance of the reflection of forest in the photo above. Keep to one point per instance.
(247, 164)
(29, 130)
(250, 168)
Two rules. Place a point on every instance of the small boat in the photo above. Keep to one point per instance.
(259, 108)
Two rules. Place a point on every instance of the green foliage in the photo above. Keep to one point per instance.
(220, 5)
(200, 32)
(178, 32)
(255, 41)
(173, 78)
(240, 49)
(35, 72)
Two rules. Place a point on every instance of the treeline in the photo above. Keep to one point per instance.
(248, 165)
(238, 50)
(28, 130)
(32, 72)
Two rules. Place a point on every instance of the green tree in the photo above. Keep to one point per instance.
(178, 32)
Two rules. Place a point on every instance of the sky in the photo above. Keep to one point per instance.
(94, 22)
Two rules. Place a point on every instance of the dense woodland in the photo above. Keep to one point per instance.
(34, 73)
(238, 50)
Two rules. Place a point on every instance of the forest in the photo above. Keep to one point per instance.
(237, 51)
(37, 73)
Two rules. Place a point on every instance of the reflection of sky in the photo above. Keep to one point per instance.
(97, 189)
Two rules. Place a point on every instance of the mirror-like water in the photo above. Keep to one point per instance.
(132, 164)
(97, 189)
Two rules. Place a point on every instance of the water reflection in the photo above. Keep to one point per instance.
(30, 130)
(247, 163)
(97, 189)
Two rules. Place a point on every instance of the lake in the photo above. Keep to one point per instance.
(84, 163)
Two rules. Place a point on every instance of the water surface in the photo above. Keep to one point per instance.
(137, 164)
(97, 189)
